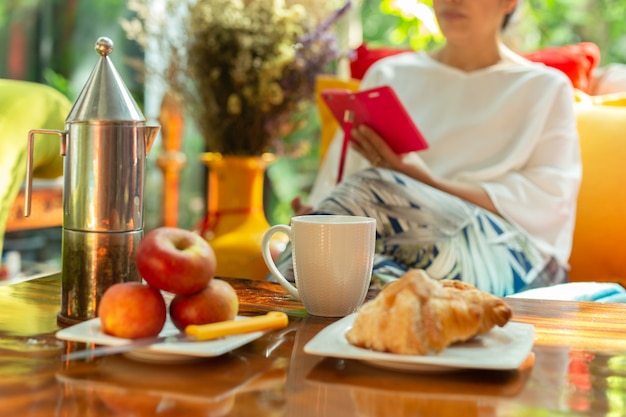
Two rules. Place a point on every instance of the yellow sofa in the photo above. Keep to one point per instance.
(598, 253)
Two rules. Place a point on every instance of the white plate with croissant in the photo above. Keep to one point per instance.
(418, 324)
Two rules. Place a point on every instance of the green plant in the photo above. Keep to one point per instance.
(397, 23)
(559, 22)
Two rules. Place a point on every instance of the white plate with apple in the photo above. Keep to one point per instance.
(90, 331)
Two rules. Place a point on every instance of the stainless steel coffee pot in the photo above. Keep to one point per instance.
(105, 145)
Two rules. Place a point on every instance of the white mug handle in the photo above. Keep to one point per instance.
(267, 256)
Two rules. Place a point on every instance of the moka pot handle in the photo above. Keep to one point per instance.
(29, 162)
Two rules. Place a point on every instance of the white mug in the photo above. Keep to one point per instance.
(333, 257)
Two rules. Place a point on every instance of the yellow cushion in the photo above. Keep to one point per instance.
(328, 124)
(25, 106)
(599, 253)
(617, 99)
(614, 99)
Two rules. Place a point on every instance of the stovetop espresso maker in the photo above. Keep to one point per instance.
(105, 145)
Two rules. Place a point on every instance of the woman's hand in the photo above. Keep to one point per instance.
(298, 208)
(373, 148)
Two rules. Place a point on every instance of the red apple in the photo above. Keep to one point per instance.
(175, 260)
(218, 301)
(132, 310)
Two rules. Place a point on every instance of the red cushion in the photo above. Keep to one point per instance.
(365, 57)
(577, 61)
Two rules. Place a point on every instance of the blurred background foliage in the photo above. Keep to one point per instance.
(536, 24)
(53, 40)
(547, 23)
(398, 23)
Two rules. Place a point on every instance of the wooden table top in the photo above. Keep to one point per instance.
(577, 368)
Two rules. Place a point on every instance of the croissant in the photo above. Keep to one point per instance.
(496, 312)
(416, 315)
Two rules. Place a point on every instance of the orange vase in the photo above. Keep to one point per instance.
(235, 219)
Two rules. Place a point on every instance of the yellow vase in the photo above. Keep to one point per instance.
(235, 220)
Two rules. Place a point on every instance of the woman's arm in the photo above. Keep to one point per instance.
(372, 147)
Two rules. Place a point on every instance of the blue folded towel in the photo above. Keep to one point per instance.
(604, 292)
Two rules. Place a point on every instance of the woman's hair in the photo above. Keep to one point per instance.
(507, 19)
(505, 22)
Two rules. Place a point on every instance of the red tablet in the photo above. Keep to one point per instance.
(380, 109)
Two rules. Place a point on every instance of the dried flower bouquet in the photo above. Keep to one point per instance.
(245, 67)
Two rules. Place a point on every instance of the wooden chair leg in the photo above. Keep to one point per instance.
(172, 160)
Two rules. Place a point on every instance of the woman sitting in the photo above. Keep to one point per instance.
(492, 201)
